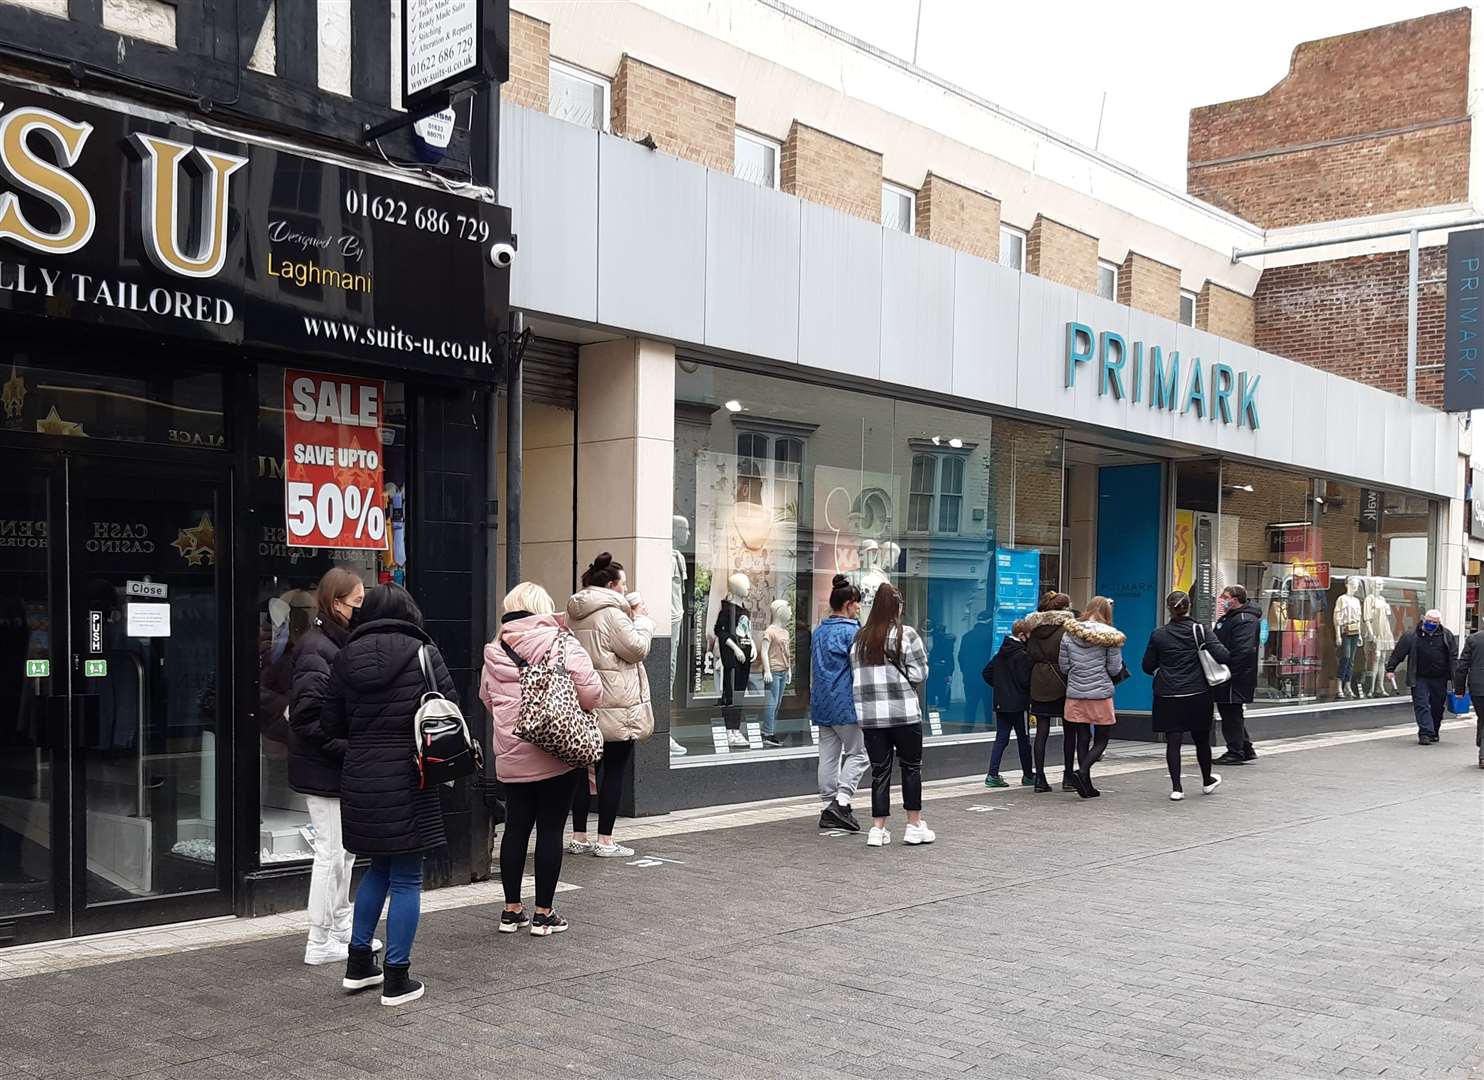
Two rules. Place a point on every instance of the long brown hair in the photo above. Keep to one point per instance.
(1099, 609)
(337, 584)
(884, 623)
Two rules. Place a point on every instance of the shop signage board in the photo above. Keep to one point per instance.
(1017, 587)
(139, 223)
(332, 458)
(1370, 511)
(1463, 372)
(443, 48)
(1476, 503)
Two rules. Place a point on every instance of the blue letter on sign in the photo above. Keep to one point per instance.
(1195, 396)
(1079, 349)
(1247, 400)
(1110, 371)
(1164, 387)
(1222, 378)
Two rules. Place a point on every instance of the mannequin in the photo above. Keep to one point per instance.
(1377, 616)
(877, 561)
(778, 665)
(734, 638)
(1348, 621)
(678, 577)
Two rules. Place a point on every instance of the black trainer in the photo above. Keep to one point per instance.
(1423, 740)
(827, 820)
(551, 923)
(1248, 754)
(1231, 757)
(1041, 785)
(361, 970)
(841, 817)
(1084, 789)
(1067, 783)
(511, 921)
(399, 988)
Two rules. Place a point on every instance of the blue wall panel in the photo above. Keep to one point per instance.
(1130, 509)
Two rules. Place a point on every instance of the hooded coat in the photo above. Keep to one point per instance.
(376, 685)
(1091, 657)
(1009, 675)
(617, 645)
(1173, 658)
(314, 757)
(532, 638)
(1043, 646)
(1240, 630)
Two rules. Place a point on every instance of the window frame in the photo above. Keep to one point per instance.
(1019, 234)
(583, 75)
(770, 477)
(937, 496)
(740, 134)
(1186, 294)
(1112, 268)
(897, 189)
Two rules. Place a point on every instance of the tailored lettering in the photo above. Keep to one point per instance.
(1213, 392)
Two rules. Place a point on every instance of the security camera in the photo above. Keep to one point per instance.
(502, 255)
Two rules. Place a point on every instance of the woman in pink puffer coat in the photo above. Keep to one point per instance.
(538, 787)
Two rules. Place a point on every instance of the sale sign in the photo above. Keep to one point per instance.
(332, 464)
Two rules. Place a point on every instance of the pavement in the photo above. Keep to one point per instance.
(1320, 915)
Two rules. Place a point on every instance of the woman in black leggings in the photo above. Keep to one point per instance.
(1183, 701)
(1048, 686)
(538, 787)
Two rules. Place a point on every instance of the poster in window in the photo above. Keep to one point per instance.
(333, 476)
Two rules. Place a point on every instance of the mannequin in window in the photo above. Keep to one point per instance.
(678, 577)
(1377, 615)
(778, 666)
(877, 563)
(1349, 620)
(734, 638)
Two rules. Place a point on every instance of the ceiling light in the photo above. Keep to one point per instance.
(937, 441)
(957, 444)
(733, 406)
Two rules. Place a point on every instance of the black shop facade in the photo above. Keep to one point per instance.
(227, 366)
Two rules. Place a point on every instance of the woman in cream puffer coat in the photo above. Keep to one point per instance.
(1091, 658)
(617, 636)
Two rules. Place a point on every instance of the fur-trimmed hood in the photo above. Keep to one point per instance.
(1049, 618)
(1096, 633)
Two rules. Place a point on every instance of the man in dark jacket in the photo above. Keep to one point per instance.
(1430, 652)
(1470, 677)
(974, 653)
(1239, 628)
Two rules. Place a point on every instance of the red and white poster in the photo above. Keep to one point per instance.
(332, 461)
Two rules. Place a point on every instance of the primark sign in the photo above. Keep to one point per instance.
(1148, 375)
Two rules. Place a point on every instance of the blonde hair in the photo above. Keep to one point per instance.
(1099, 609)
(528, 596)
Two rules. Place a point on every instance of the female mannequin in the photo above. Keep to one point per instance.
(778, 665)
(1348, 624)
(734, 638)
(877, 561)
(1377, 613)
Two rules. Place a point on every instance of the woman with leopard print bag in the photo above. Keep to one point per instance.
(538, 683)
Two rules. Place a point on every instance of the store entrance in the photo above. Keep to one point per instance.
(114, 694)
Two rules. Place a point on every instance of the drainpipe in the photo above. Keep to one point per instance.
(514, 435)
(492, 399)
(1412, 317)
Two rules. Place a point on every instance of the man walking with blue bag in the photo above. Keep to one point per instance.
(1430, 652)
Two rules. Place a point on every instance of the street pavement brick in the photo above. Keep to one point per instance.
(1321, 916)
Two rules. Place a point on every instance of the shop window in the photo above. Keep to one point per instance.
(898, 207)
(1187, 308)
(1012, 247)
(1107, 280)
(578, 96)
(756, 159)
(288, 577)
(789, 484)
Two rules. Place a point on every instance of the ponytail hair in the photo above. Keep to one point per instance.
(1178, 604)
(602, 573)
(842, 592)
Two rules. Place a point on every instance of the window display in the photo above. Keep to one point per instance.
(779, 486)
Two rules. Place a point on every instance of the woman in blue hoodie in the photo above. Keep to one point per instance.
(832, 707)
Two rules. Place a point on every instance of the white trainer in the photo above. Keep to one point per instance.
(1213, 785)
(334, 951)
(612, 851)
(580, 847)
(919, 834)
(1176, 796)
(877, 837)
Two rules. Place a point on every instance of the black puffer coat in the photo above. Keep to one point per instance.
(375, 689)
(314, 757)
(1240, 630)
(1171, 658)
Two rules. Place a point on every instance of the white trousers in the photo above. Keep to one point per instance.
(329, 883)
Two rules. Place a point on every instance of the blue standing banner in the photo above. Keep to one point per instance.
(1463, 387)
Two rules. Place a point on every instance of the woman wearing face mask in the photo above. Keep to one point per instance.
(1182, 697)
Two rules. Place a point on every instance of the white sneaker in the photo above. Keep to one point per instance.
(676, 750)
(1213, 785)
(1176, 796)
(877, 837)
(580, 847)
(919, 834)
(612, 851)
(736, 738)
(326, 952)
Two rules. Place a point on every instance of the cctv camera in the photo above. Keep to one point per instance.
(502, 255)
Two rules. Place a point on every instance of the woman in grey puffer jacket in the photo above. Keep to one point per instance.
(1091, 658)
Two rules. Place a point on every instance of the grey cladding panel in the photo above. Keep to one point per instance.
(916, 312)
(752, 269)
(840, 293)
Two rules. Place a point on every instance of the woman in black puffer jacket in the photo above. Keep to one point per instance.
(314, 764)
(376, 686)
(1182, 698)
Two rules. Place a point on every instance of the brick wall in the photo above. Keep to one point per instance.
(1061, 253)
(1363, 123)
(960, 217)
(530, 63)
(1226, 313)
(1149, 285)
(824, 169)
(685, 118)
(1349, 316)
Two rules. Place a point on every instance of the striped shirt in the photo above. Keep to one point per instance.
(886, 694)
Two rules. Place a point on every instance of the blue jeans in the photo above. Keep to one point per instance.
(1348, 644)
(1006, 722)
(1428, 696)
(774, 691)
(402, 877)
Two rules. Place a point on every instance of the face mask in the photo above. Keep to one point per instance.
(1223, 605)
(1430, 626)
